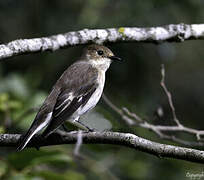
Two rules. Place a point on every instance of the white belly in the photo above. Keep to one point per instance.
(93, 99)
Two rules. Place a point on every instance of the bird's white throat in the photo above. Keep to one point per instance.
(101, 64)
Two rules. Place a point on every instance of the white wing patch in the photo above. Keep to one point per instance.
(62, 104)
(61, 107)
(80, 99)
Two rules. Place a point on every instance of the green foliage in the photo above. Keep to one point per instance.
(31, 163)
(31, 158)
(69, 175)
(8, 104)
(16, 85)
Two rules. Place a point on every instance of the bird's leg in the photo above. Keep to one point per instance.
(81, 125)
(86, 127)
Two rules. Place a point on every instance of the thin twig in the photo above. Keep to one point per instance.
(132, 119)
(117, 110)
(168, 94)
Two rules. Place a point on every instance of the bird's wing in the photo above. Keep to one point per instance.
(76, 93)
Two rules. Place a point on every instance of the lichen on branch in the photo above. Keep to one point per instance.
(172, 32)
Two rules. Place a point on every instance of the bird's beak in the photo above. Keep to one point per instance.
(115, 58)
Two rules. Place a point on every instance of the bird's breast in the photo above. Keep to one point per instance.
(91, 103)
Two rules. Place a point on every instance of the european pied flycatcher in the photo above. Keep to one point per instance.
(77, 91)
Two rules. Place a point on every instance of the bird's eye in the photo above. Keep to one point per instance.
(100, 52)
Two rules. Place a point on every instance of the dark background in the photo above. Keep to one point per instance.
(26, 80)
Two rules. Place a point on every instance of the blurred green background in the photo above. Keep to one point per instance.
(26, 80)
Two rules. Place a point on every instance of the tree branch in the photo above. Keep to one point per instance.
(132, 119)
(172, 32)
(115, 138)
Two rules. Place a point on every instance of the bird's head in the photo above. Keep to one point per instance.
(99, 55)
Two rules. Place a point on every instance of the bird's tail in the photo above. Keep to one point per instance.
(34, 129)
(25, 139)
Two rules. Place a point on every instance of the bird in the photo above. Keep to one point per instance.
(75, 93)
